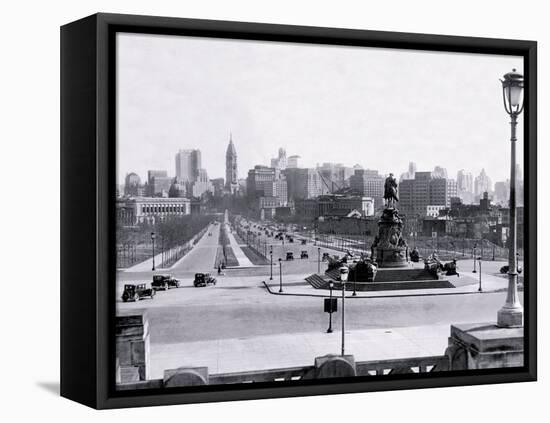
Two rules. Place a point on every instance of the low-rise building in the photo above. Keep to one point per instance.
(132, 211)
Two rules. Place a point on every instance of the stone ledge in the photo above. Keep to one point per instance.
(488, 337)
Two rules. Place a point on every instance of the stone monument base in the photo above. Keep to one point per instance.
(391, 257)
(484, 346)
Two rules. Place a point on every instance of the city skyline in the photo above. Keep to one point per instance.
(308, 99)
(435, 168)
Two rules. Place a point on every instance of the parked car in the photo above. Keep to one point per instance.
(326, 256)
(164, 282)
(204, 279)
(137, 292)
(290, 255)
(304, 254)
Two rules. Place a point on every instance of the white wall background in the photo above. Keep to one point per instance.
(29, 298)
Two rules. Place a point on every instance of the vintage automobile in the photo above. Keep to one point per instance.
(290, 255)
(204, 279)
(164, 282)
(326, 256)
(137, 292)
(304, 241)
(304, 254)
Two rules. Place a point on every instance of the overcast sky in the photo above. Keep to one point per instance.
(379, 108)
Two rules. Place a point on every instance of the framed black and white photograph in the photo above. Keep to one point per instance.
(278, 211)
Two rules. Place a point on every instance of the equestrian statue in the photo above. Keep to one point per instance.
(390, 192)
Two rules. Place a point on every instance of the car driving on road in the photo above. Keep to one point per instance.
(204, 279)
(164, 282)
(137, 292)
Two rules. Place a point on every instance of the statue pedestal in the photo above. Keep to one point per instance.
(484, 346)
(391, 257)
(390, 247)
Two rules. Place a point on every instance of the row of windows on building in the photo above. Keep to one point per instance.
(164, 209)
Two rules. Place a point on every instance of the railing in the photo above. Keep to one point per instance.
(438, 363)
(446, 247)
(429, 364)
(273, 375)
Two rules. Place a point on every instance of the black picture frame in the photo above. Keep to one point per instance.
(88, 192)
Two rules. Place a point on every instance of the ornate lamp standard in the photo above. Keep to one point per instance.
(271, 265)
(318, 260)
(280, 275)
(330, 286)
(479, 259)
(153, 236)
(354, 280)
(511, 314)
(474, 257)
(344, 271)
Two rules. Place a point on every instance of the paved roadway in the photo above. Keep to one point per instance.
(200, 259)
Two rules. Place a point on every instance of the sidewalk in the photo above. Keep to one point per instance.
(146, 265)
(299, 349)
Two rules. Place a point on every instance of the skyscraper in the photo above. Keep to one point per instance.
(280, 162)
(439, 172)
(132, 185)
(188, 163)
(410, 173)
(482, 184)
(424, 193)
(464, 181)
(292, 162)
(231, 179)
(369, 183)
(303, 183)
(465, 186)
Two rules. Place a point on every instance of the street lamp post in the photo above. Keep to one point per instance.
(318, 260)
(163, 259)
(354, 280)
(474, 257)
(511, 314)
(271, 265)
(153, 236)
(479, 259)
(280, 275)
(330, 286)
(343, 278)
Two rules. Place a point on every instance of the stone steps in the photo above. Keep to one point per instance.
(393, 275)
(320, 282)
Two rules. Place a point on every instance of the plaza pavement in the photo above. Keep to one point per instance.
(298, 349)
